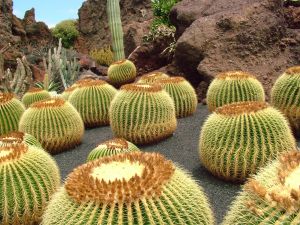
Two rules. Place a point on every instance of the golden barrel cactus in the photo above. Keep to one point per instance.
(19, 137)
(34, 95)
(152, 78)
(121, 72)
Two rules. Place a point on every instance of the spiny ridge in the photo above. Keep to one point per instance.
(235, 75)
(49, 103)
(142, 87)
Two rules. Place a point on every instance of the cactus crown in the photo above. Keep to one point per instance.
(119, 62)
(5, 97)
(171, 80)
(12, 152)
(13, 137)
(120, 178)
(142, 87)
(91, 83)
(70, 89)
(235, 75)
(116, 143)
(34, 90)
(238, 108)
(49, 103)
(293, 70)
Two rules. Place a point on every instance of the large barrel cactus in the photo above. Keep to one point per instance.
(142, 113)
(239, 138)
(11, 110)
(182, 93)
(152, 78)
(235, 86)
(55, 123)
(121, 72)
(28, 178)
(271, 197)
(34, 95)
(19, 137)
(92, 100)
(134, 188)
(112, 147)
(285, 96)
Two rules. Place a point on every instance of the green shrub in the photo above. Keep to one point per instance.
(161, 11)
(67, 31)
(103, 56)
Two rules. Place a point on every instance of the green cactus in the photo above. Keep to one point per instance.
(115, 25)
(11, 110)
(152, 78)
(19, 137)
(68, 91)
(121, 72)
(142, 113)
(239, 138)
(182, 93)
(34, 95)
(134, 188)
(29, 177)
(285, 96)
(271, 197)
(112, 147)
(55, 123)
(235, 86)
(92, 99)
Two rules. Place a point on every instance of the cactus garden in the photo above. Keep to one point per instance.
(154, 112)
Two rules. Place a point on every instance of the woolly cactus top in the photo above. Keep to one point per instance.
(119, 62)
(70, 89)
(239, 108)
(5, 97)
(49, 103)
(152, 77)
(126, 178)
(235, 75)
(116, 143)
(293, 70)
(13, 137)
(142, 87)
(35, 90)
(91, 83)
(12, 152)
(175, 79)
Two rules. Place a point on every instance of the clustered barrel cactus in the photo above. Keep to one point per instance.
(152, 78)
(134, 188)
(121, 72)
(285, 96)
(29, 177)
(92, 99)
(236, 86)
(271, 197)
(55, 123)
(239, 138)
(142, 113)
(34, 95)
(11, 110)
(19, 137)
(112, 147)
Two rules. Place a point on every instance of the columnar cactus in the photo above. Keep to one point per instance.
(29, 177)
(232, 87)
(34, 95)
(66, 94)
(19, 137)
(92, 100)
(134, 188)
(55, 123)
(182, 93)
(271, 197)
(121, 72)
(11, 110)
(112, 147)
(285, 96)
(142, 113)
(239, 138)
(152, 78)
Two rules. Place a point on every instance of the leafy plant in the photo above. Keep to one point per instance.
(103, 56)
(67, 31)
(161, 11)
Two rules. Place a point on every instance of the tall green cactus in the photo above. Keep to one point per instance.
(115, 24)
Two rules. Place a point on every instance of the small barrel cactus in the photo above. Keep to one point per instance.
(232, 87)
(35, 95)
(182, 93)
(121, 72)
(11, 110)
(68, 91)
(92, 100)
(135, 188)
(152, 78)
(270, 197)
(29, 177)
(240, 137)
(112, 147)
(19, 137)
(285, 96)
(55, 123)
(142, 113)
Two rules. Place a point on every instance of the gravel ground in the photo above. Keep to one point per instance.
(182, 148)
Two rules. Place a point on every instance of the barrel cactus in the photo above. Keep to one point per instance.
(68, 91)
(142, 113)
(285, 96)
(11, 110)
(240, 137)
(112, 147)
(55, 123)
(34, 95)
(235, 86)
(182, 93)
(152, 78)
(92, 100)
(271, 197)
(134, 188)
(29, 177)
(19, 137)
(121, 72)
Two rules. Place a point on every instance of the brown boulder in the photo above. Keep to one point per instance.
(292, 16)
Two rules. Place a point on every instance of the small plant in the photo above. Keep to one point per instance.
(121, 72)
(66, 31)
(34, 95)
(161, 11)
(103, 56)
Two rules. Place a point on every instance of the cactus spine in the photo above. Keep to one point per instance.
(235, 86)
(121, 72)
(142, 113)
(152, 78)
(112, 147)
(134, 188)
(285, 96)
(34, 95)
(19, 137)
(271, 197)
(241, 137)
